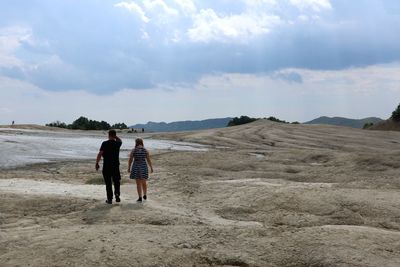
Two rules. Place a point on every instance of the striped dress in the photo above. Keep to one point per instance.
(139, 166)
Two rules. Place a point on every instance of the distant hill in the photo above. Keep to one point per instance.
(182, 125)
(339, 121)
(387, 125)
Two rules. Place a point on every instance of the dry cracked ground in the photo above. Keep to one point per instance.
(264, 194)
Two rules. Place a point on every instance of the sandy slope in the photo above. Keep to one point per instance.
(265, 194)
(387, 125)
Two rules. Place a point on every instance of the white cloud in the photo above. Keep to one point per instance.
(11, 38)
(368, 79)
(358, 92)
(259, 3)
(5, 110)
(159, 6)
(145, 35)
(187, 6)
(134, 8)
(316, 5)
(184, 19)
(303, 18)
(208, 26)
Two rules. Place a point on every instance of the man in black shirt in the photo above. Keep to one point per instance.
(109, 150)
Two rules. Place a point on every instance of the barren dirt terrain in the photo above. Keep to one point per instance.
(264, 194)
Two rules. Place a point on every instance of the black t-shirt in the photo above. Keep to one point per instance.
(110, 150)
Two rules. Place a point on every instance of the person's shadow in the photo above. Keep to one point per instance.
(131, 206)
(97, 213)
(100, 212)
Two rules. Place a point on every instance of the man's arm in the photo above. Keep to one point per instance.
(99, 155)
(118, 139)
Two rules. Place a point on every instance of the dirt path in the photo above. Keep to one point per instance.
(265, 194)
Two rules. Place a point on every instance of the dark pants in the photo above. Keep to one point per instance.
(110, 176)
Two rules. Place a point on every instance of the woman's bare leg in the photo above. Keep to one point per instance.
(144, 187)
(139, 187)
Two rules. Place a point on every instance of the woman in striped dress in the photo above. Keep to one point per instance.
(139, 171)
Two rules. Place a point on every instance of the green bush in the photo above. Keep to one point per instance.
(95, 180)
(276, 120)
(119, 126)
(84, 123)
(239, 121)
(58, 124)
(367, 125)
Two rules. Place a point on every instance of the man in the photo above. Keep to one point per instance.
(109, 150)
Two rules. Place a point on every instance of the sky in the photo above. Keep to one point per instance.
(153, 60)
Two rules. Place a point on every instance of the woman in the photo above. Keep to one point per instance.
(140, 157)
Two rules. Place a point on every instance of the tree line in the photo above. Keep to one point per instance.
(396, 114)
(83, 123)
(245, 119)
(395, 117)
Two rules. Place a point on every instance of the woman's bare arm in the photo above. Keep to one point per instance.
(130, 161)
(149, 161)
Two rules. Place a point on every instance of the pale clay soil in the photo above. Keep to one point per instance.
(264, 194)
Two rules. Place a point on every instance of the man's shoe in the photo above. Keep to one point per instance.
(117, 199)
(109, 201)
(139, 200)
(144, 197)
